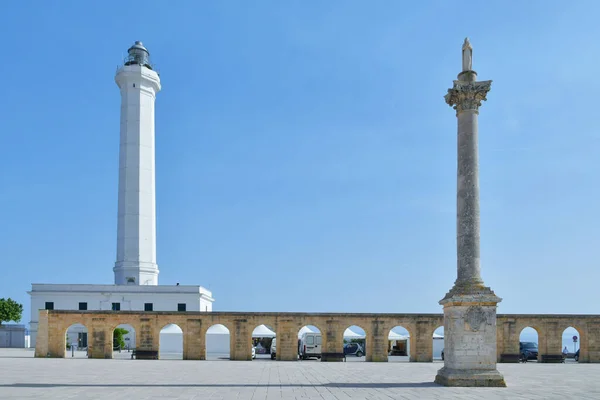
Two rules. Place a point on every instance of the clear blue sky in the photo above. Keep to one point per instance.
(306, 160)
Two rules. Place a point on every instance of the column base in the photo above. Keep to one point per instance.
(469, 378)
(470, 339)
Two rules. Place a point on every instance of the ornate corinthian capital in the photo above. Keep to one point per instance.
(467, 95)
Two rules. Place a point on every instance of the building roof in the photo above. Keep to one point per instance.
(38, 288)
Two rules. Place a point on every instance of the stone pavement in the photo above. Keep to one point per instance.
(24, 377)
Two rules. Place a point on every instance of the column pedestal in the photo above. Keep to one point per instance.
(470, 341)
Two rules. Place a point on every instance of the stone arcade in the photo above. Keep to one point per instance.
(100, 324)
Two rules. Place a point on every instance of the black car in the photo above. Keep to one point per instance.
(528, 350)
(353, 349)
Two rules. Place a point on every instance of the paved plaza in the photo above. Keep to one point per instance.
(24, 377)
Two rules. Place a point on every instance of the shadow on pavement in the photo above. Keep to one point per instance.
(230, 385)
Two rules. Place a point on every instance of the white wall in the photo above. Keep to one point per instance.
(218, 345)
(438, 346)
(101, 297)
(12, 336)
(171, 343)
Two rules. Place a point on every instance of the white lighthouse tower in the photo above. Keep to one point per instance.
(136, 226)
(136, 285)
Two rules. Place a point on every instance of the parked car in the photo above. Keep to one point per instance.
(355, 349)
(577, 356)
(528, 350)
(274, 349)
(310, 345)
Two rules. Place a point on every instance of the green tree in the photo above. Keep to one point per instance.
(118, 337)
(10, 310)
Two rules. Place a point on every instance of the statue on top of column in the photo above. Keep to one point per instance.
(467, 56)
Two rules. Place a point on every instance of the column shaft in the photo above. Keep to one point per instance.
(467, 204)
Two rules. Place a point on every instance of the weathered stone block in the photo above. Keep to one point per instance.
(469, 378)
(470, 342)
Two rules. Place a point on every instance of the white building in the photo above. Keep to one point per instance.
(136, 271)
(12, 335)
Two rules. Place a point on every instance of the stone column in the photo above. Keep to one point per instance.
(590, 353)
(240, 341)
(542, 342)
(41, 344)
(550, 343)
(469, 307)
(56, 337)
(99, 339)
(377, 342)
(507, 339)
(422, 342)
(194, 343)
(148, 337)
(332, 339)
(287, 340)
(499, 340)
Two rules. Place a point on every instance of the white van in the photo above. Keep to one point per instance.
(310, 345)
(274, 349)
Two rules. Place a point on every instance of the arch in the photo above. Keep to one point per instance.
(399, 341)
(572, 348)
(124, 341)
(76, 340)
(171, 342)
(261, 340)
(312, 327)
(354, 338)
(529, 341)
(437, 336)
(218, 342)
(310, 342)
